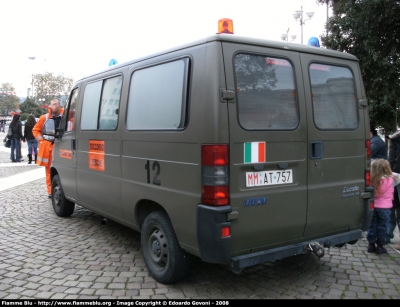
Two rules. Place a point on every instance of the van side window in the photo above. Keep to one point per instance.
(109, 110)
(334, 97)
(71, 110)
(90, 105)
(100, 104)
(266, 93)
(158, 97)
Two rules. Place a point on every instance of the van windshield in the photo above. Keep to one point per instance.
(266, 94)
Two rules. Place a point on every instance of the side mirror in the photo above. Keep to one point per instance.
(61, 130)
(49, 130)
(59, 133)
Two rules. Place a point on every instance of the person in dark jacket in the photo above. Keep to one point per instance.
(28, 136)
(16, 128)
(394, 161)
(378, 146)
(394, 151)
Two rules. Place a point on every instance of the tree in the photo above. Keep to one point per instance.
(30, 107)
(8, 100)
(49, 86)
(370, 30)
(255, 72)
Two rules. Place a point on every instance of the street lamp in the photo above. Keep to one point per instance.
(32, 58)
(41, 101)
(298, 15)
(285, 37)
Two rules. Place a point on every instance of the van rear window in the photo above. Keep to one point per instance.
(334, 97)
(266, 93)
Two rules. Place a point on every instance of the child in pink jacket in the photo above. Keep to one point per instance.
(383, 180)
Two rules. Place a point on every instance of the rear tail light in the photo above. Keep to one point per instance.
(367, 176)
(215, 174)
(225, 231)
(371, 205)
(368, 147)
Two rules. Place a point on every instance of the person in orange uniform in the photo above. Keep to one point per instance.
(46, 147)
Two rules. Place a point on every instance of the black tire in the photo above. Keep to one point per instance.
(352, 242)
(340, 245)
(166, 261)
(62, 206)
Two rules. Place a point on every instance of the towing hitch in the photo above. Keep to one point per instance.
(316, 248)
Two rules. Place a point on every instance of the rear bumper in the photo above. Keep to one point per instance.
(368, 209)
(244, 261)
(214, 248)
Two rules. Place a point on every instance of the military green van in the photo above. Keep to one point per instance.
(236, 150)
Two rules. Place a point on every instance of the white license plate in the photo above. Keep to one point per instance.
(257, 179)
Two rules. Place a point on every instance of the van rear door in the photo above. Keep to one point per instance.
(268, 146)
(336, 144)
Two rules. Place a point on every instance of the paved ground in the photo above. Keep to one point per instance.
(43, 256)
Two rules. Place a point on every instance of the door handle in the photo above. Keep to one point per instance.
(316, 150)
(73, 144)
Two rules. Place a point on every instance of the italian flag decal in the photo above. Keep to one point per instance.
(254, 152)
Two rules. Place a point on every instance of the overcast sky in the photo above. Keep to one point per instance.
(78, 37)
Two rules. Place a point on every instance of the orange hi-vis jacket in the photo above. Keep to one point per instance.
(45, 148)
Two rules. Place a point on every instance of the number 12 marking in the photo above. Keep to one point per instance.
(156, 165)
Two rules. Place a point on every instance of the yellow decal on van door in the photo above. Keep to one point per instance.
(66, 154)
(96, 155)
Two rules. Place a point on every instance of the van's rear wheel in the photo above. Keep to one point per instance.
(166, 261)
(62, 206)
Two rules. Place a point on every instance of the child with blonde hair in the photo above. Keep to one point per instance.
(383, 180)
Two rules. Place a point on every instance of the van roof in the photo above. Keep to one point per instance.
(281, 45)
(240, 40)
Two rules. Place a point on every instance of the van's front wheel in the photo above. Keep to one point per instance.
(62, 206)
(166, 261)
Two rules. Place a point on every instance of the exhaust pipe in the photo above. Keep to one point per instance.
(104, 221)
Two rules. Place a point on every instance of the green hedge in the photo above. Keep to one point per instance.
(24, 116)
